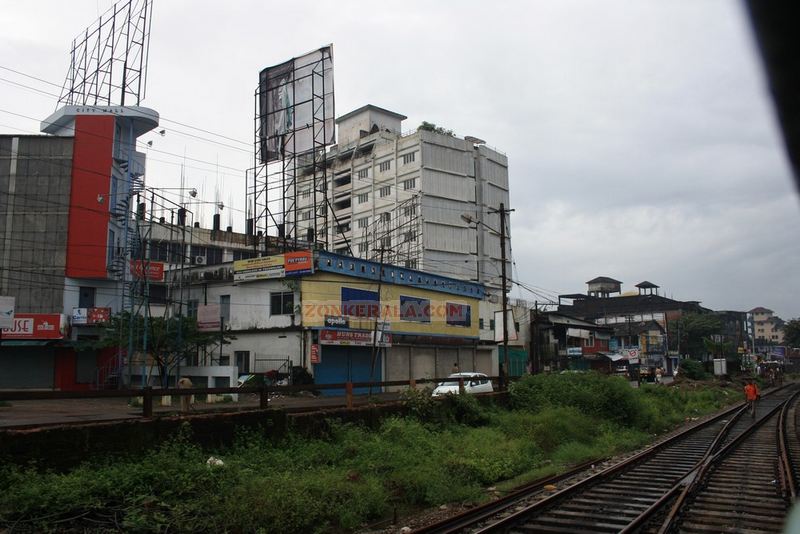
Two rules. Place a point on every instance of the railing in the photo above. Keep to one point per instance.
(148, 394)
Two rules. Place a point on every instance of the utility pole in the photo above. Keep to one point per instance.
(535, 364)
(502, 211)
(375, 327)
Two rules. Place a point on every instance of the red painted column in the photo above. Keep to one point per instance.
(87, 231)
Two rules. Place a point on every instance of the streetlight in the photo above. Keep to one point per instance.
(502, 211)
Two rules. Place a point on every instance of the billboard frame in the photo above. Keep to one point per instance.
(292, 157)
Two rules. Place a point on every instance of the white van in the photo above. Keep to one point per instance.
(473, 383)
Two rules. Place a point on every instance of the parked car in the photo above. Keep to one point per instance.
(473, 383)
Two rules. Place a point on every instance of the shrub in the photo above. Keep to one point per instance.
(693, 369)
(464, 409)
(592, 393)
(419, 402)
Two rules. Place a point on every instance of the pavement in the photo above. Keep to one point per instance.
(42, 413)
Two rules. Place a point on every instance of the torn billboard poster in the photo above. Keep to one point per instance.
(296, 105)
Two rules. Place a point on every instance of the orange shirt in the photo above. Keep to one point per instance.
(751, 392)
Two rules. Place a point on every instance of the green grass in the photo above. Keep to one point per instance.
(447, 452)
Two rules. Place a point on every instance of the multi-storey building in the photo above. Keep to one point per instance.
(64, 199)
(767, 327)
(410, 198)
(642, 319)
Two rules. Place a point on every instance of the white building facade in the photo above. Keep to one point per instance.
(406, 196)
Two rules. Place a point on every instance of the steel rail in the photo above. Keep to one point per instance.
(788, 483)
(609, 475)
(692, 481)
(476, 515)
(518, 516)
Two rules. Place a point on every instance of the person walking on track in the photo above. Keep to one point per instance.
(751, 395)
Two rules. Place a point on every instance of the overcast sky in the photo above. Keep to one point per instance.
(641, 139)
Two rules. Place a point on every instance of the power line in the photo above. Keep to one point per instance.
(139, 144)
(185, 125)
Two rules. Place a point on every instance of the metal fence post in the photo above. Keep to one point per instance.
(412, 384)
(348, 392)
(461, 390)
(263, 397)
(147, 402)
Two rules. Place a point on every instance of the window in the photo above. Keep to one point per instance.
(159, 251)
(410, 236)
(363, 197)
(306, 215)
(386, 242)
(112, 201)
(458, 314)
(191, 308)
(384, 217)
(480, 324)
(415, 309)
(359, 302)
(86, 297)
(112, 238)
(408, 158)
(362, 248)
(242, 358)
(363, 173)
(411, 183)
(214, 256)
(363, 222)
(243, 254)
(176, 253)
(225, 308)
(281, 303)
(158, 294)
(385, 165)
(410, 211)
(306, 193)
(385, 191)
(411, 264)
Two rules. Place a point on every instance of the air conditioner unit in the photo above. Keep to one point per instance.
(200, 260)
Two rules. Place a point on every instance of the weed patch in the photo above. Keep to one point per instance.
(446, 451)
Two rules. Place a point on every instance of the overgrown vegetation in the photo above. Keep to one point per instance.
(431, 127)
(445, 451)
(693, 369)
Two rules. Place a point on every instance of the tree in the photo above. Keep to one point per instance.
(167, 340)
(719, 349)
(791, 333)
(693, 331)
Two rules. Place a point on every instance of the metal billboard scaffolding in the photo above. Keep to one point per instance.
(108, 62)
(396, 234)
(294, 125)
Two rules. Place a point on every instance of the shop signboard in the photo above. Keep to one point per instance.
(90, 316)
(574, 351)
(778, 353)
(357, 338)
(37, 326)
(208, 318)
(7, 312)
(315, 353)
(150, 270)
(269, 267)
(337, 321)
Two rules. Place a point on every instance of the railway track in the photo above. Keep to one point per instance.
(746, 486)
(660, 488)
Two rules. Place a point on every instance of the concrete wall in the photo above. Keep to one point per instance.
(35, 177)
